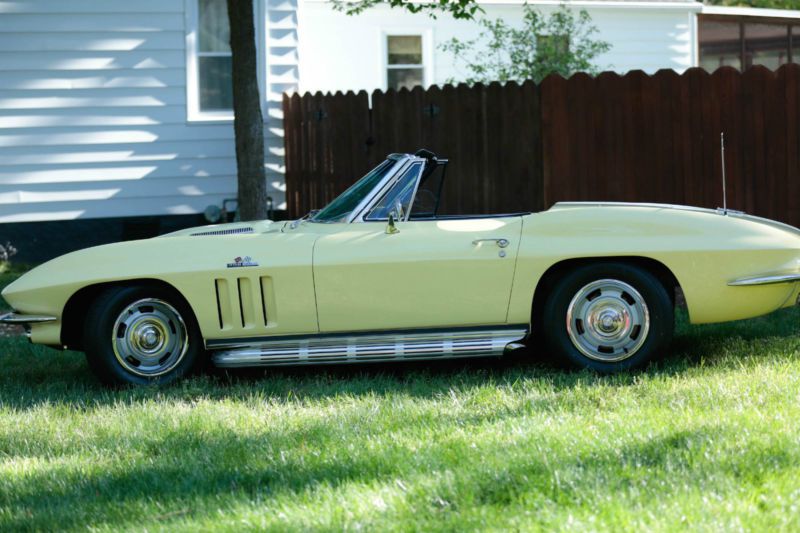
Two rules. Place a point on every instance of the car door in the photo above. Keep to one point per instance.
(429, 274)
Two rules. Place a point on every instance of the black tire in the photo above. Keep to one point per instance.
(101, 343)
(573, 341)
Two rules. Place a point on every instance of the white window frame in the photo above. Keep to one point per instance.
(427, 53)
(193, 111)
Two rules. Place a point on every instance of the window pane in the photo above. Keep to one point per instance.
(341, 207)
(216, 85)
(213, 26)
(766, 44)
(796, 44)
(404, 77)
(720, 45)
(426, 201)
(405, 49)
(401, 193)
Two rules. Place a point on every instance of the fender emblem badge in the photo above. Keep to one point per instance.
(239, 262)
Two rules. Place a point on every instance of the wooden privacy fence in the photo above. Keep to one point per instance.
(638, 138)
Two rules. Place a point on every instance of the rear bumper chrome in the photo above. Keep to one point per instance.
(16, 318)
(765, 280)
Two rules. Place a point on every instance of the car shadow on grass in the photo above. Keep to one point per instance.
(33, 375)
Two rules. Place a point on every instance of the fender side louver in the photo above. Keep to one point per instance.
(244, 302)
(232, 231)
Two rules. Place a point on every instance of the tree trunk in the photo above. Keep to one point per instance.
(248, 122)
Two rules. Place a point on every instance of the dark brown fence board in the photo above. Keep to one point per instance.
(638, 137)
(321, 157)
(774, 135)
(726, 85)
(791, 92)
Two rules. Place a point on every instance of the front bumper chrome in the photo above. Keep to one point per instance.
(765, 280)
(19, 319)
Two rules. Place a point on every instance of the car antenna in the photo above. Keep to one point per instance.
(724, 191)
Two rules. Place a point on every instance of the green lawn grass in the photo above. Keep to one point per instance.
(707, 439)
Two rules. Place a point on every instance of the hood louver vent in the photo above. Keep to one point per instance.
(232, 231)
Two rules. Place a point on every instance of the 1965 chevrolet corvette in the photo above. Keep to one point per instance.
(379, 275)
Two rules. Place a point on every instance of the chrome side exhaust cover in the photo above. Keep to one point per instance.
(16, 318)
(364, 348)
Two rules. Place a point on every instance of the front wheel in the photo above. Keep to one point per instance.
(140, 335)
(608, 317)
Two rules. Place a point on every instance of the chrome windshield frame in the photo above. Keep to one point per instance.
(359, 214)
(403, 162)
(386, 188)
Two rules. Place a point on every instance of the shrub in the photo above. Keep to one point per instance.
(563, 42)
(7, 251)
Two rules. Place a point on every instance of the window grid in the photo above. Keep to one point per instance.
(792, 32)
(208, 62)
(420, 67)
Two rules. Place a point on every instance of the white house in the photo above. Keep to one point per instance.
(115, 109)
(338, 52)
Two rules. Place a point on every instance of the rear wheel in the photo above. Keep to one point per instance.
(608, 317)
(140, 335)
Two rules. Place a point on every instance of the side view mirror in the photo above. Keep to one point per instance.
(391, 229)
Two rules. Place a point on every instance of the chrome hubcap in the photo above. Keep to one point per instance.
(608, 320)
(150, 338)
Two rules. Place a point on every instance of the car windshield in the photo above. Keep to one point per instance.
(344, 204)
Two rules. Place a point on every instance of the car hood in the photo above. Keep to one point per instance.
(201, 251)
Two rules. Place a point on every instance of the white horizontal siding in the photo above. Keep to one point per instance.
(103, 41)
(119, 153)
(50, 60)
(76, 136)
(51, 7)
(93, 114)
(108, 97)
(91, 22)
(111, 207)
(32, 80)
(93, 119)
(282, 74)
(194, 186)
(101, 116)
(29, 175)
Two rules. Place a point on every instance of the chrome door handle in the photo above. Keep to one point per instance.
(502, 243)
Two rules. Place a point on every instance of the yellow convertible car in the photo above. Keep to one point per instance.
(380, 275)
